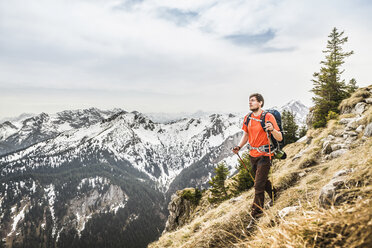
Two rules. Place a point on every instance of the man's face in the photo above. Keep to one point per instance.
(254, 104)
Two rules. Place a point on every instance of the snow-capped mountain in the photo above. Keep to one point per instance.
(17, 118)
(72, 171)
(127, 150)
(160, 151)
(298, 108)
(25, 131)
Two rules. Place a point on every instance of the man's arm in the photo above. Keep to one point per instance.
(242, 142)
(273, 127)
(277, 135)
(244, 139)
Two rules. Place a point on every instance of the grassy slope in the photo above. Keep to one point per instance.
(299, 182)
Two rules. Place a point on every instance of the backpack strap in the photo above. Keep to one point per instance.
(262, 119)
(248, 119)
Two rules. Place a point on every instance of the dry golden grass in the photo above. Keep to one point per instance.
(347, 225)
(356, 97)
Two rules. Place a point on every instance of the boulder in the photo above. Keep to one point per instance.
(350, 140)
(327, 147)
(360, 107)
(328, 194)
(346, 121)
(352, 125)
(369, 100)
(368, 130)
(335, 147)
(349, 134)
(337, 153)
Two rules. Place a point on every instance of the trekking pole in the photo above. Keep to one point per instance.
(246, 167)
(272, 178)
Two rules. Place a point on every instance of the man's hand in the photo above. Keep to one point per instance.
(269, 126)
(236, 149)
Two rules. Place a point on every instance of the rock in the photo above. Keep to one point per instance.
(301, 174)
(338, 132)
(368, 130)
(337, 153)
(94, 202)
(349, 134)
(299, 154)
(342, 172)
(328, 193)
(368, 100)
(360, 107)
(360, 128)
(330, 137)
(285, 211)
(346, 121)
(327, 147)
(179, 211)
(352, 125)
(336, 147)
(302, 139)
(235, 199)
(350, 140)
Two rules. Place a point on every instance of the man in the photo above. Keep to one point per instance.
(260, 158)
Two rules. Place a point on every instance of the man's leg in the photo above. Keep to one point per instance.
(262, 172)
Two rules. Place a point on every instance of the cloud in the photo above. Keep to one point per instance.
(213, 52)
(251, 39)
(179, 17)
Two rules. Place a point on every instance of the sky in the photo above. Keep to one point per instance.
(171, 56)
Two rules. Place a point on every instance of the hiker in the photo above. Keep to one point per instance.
(259, 154)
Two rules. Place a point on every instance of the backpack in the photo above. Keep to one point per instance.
(278, 145)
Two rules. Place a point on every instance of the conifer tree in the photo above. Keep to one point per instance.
(352, 87)
(303, 131)
(289, 126)
(218, 188)
(329, 88)
(244, 178)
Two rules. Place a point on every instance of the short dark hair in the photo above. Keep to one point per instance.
(259, 98)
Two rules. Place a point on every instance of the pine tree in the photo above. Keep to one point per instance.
(302, 132)
(329, 88)
(289, 126)
(352, 87)
(244, 179)
(218, 188)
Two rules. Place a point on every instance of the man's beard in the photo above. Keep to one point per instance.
(254, 110)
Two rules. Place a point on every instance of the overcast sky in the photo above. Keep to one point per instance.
(171, 56)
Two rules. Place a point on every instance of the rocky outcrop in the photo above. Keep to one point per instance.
(329, 193)
(180, 210)
(94, 202)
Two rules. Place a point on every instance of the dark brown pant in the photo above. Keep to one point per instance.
(260, 167)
